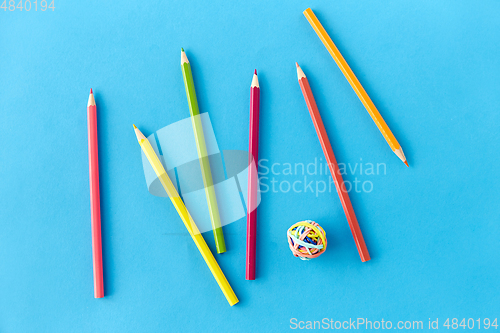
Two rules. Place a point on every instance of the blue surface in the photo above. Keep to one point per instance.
(431, 67)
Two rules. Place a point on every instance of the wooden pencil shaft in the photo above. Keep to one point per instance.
(188, 221)
(334, 169)
(201, 147)
(95, 206)
(253, 155)
(352, 79)
(190, 90)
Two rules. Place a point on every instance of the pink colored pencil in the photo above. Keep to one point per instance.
(253, 181)
(332, 163)
(95, 206)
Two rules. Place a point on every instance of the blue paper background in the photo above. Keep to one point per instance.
(431, 67)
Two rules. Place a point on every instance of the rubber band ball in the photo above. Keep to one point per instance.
(306, 239)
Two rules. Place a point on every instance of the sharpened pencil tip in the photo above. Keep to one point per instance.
(407, 164)
(255, 80)
(184, 58)
(91, 101)
(134, 126)
(300, 72)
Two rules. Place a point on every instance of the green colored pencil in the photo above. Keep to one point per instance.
(202, 153)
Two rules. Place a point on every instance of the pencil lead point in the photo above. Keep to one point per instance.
(134, 126)
(407, 164)
(255, 72)
(300, 72)
(184, 59)
(91, 91)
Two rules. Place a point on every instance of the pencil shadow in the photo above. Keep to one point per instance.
(105, 194)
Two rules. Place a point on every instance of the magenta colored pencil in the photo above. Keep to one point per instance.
(95, 206)
(253, 155)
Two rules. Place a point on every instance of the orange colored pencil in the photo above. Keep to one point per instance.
(354, 82)
(332, 163)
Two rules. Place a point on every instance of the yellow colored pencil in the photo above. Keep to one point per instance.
(358, 88)
(186, 217)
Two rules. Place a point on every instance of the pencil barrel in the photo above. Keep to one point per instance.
(95, 208)
(253, 156)
(201, 147)
(334, 170)
(190, 225)
(352, 79)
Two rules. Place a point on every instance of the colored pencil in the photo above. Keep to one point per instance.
(201, 147)
(332, 163)
(253, 181)
(355, 84)
(186, 217)
(95, 206)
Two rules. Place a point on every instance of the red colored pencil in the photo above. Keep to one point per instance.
(332, 163)
(253, 181)
(95, 206)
